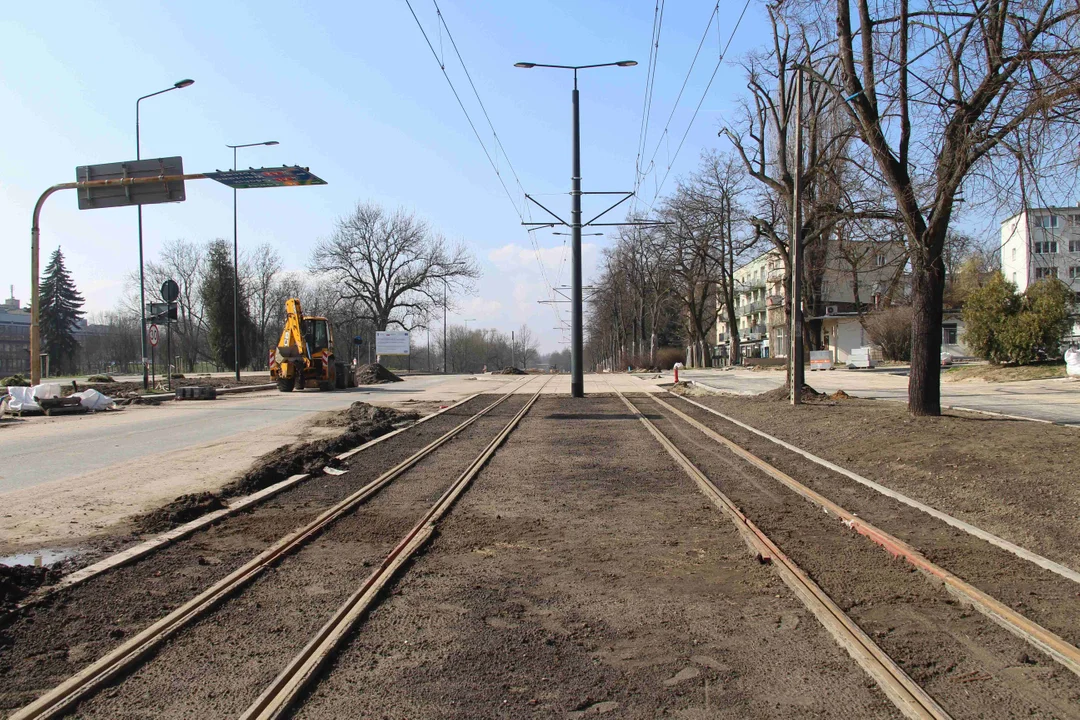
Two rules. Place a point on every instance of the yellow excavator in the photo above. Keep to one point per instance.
(304, 356)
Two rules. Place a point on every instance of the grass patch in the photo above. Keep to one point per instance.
(1005, 373)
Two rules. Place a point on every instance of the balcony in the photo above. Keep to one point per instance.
(774, 301)
(750, 308)
(754, 333)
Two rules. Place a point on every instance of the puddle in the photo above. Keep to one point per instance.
(38, 557)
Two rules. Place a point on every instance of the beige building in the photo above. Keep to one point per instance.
(878, 268)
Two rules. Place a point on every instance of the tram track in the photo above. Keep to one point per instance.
(336, 524)
(936, 644)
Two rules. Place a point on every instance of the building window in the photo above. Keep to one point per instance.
(1074, 272)
(1074, 246)
(1045, 247)
(1045, 272)
(1074, 220)
(948, 334)
(879, 260)
(1014, 254)
(1047, 221)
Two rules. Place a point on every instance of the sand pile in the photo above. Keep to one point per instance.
(374, 374)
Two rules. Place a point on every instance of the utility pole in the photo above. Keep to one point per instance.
(444, 327)
(513, 346)
(796, 371)
(577, 377)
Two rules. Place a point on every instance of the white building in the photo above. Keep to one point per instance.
(1039, 243)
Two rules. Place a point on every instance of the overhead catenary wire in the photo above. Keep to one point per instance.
(650, 87)
(523, 211)
(720, 59)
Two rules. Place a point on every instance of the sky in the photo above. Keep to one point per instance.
(352, 90)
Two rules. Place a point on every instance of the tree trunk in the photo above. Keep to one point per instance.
(924, 383)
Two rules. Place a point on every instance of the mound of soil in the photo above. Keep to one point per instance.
(512, 371)
(839, 395)
(19, 581)
(181, 510)
(782, 394)
(363, 422)
(374, 374)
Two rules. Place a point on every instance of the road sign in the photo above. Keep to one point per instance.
(152, 335)
(392, 342)
(160, 312)
(358, 340)
(123, 195)
(170, 291)
(266, 177)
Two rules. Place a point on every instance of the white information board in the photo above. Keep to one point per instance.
(392, 342)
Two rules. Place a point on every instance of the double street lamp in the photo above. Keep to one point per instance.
(179, 85)
(577, 377)
(236, 266)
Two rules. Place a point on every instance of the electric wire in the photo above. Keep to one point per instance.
(522, 212)
(650, 88)
(719, 62)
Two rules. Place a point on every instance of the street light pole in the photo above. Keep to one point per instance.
(236, 266)
(142, 278)
(577, 335)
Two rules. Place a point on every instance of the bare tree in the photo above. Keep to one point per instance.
(527, 344)
(184, 262)
(392, 265)
(938, 91)
(264, 296)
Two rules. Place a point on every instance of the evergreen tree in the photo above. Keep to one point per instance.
(60, 315)
(216, 292)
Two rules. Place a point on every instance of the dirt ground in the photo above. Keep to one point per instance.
(43, 644)
(974, 668)
(1013, 478)
(583, 574)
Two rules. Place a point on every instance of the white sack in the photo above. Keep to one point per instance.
(1072, 362)
(22, 399)
(45, 391)
(93, 400)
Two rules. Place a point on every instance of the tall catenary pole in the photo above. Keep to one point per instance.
(179, 85)
(236, 265)
(444, 327)
(577, 376)
(796, 370)
(235, 284)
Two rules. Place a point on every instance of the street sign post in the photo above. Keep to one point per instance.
(161, 312)
(119, 195)
(170, 291)
(284, 176)
(391, 342)
(152, 336)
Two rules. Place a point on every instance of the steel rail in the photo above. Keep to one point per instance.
(1021, 552)
(908, 697)
(56, 701)
(1054, 645)
(280, 695)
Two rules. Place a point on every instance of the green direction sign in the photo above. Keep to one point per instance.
(285, 176)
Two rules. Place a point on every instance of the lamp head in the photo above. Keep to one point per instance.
(524, 65)
(271, 142)
(184, 83)
(626, 63)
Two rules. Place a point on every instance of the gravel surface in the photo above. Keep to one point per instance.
(218, 667)
(968, 664)
(44, 644)
(584, 574)
(1013, 478)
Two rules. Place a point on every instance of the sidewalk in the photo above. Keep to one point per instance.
(1056, 400)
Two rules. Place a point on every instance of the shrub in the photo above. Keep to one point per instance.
(891, 329)
(14, 381)
(100, 378)
(1004, 326)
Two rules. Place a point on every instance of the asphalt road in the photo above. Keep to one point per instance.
(47, 449)
(1056, 400)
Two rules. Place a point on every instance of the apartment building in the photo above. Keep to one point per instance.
(1039, 243)
(877, 269)
(14, 337)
